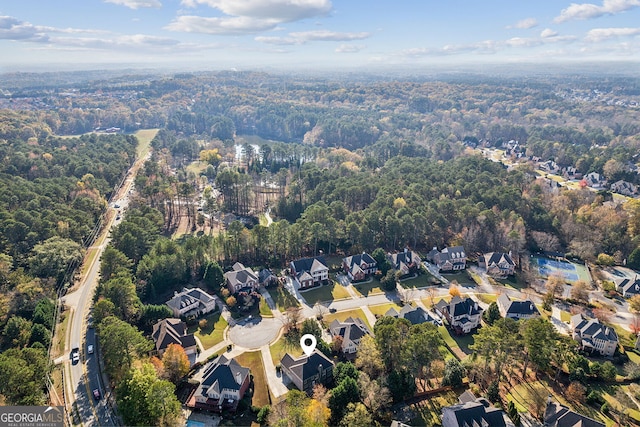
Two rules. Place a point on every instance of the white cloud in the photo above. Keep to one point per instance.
(349, 48)
(325, 35)
(583, 11)
(278, 10)
(281, 41)
(548, 32)
(601, 34)
(136, 4)
(14, 29)
(220, 26)
(525, 23)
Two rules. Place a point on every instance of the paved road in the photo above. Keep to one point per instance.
(84, 377)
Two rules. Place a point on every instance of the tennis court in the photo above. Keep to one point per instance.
(569, 271)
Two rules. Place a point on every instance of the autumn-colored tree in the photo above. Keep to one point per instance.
(175, 362)
(454, 291)
(580, 291)
(576, 392)
(368, 358)
(602, 314)
(555, 284)
(157, 365)
(212, 157)
(231, 301)
(336, 344)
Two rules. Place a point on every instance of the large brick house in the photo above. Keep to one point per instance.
(307, 371)
(241, 278)
(463, 315)
(310, 271)
(223, 385)
(358, 267)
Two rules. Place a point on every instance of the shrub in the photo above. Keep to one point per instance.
(203, 323)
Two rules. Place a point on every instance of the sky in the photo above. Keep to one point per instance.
(313, 34)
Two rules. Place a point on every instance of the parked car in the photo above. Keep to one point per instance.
(75, 355)
(96, 394)
(90, 349)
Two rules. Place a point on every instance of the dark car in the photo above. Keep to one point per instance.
(96, 394)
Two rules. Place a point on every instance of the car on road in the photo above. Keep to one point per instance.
(75, 355)
(117, 206)
(90, 349)
(332, 310)
(96, 394)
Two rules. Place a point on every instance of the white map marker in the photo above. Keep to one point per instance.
(308, 344)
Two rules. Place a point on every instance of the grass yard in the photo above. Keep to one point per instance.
(372, 287)
(55, 396)
(625, 337)
(565, 316)
(516, 282)
(459, 345)
(329, 292)
(461, 277)
(265, 311)
(279, 348)
(428, 411)
(283, 298)
(342, 315)
(89, 258)
(145, 136)
(381, 309)
(487, 298)
(213, 333)
(61, 333)
(253, 361)
(420, 281)
(634, 357)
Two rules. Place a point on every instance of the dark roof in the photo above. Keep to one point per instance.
(494, 258)
(557, 415)
(454, 254)
(265, 274)
(359, 259)
(305, 264)
(518, 307)
(222, 373)
(406, 257)
(415, 315)
(172, 331)
(464, 306)
(306, 367)
(478, 413)
(351, 329)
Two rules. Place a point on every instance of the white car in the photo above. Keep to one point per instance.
(90, 349)
(75, 355)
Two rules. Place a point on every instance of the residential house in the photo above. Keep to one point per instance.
(350, 332)
(192, 302)
(307, 371)
(595, 180)
(624, 187)
(241, 278)
(406, 262)
(556, 415)
(497, 264)
(415, 315)
(474, 411)
(174, 331)
(310, 271)
(571, 173)
(224, 383)
(594, 336)
(549, 166)
(358, 267)
(449, 259)
(266, 278)
(516, 309)
(628, 287)
(463, 315)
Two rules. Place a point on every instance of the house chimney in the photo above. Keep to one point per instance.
(406, 250)
(238, 378)
(320, 369)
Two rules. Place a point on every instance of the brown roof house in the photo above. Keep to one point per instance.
(358, 267)
(307, 371)
(241, 278)
(593, 336)
(192, 302)
(497, 264)
(224, 383)
(174, 331)
(350, 331)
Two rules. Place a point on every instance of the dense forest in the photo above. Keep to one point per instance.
(343, 167)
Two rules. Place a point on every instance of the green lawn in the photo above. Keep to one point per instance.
(213, 333)
(145, 136)
(372, 287)
(459, 345)
(565, 316)
(61, 333)
(420, 281)
(279, 348)
(634, 357)
(487, 298)
(516, 282)
(461, 277)
(329, 292)
(253, 361)
(265, 311)
(282, 298)
(428, 411)
(381, 309)
(342, 315)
